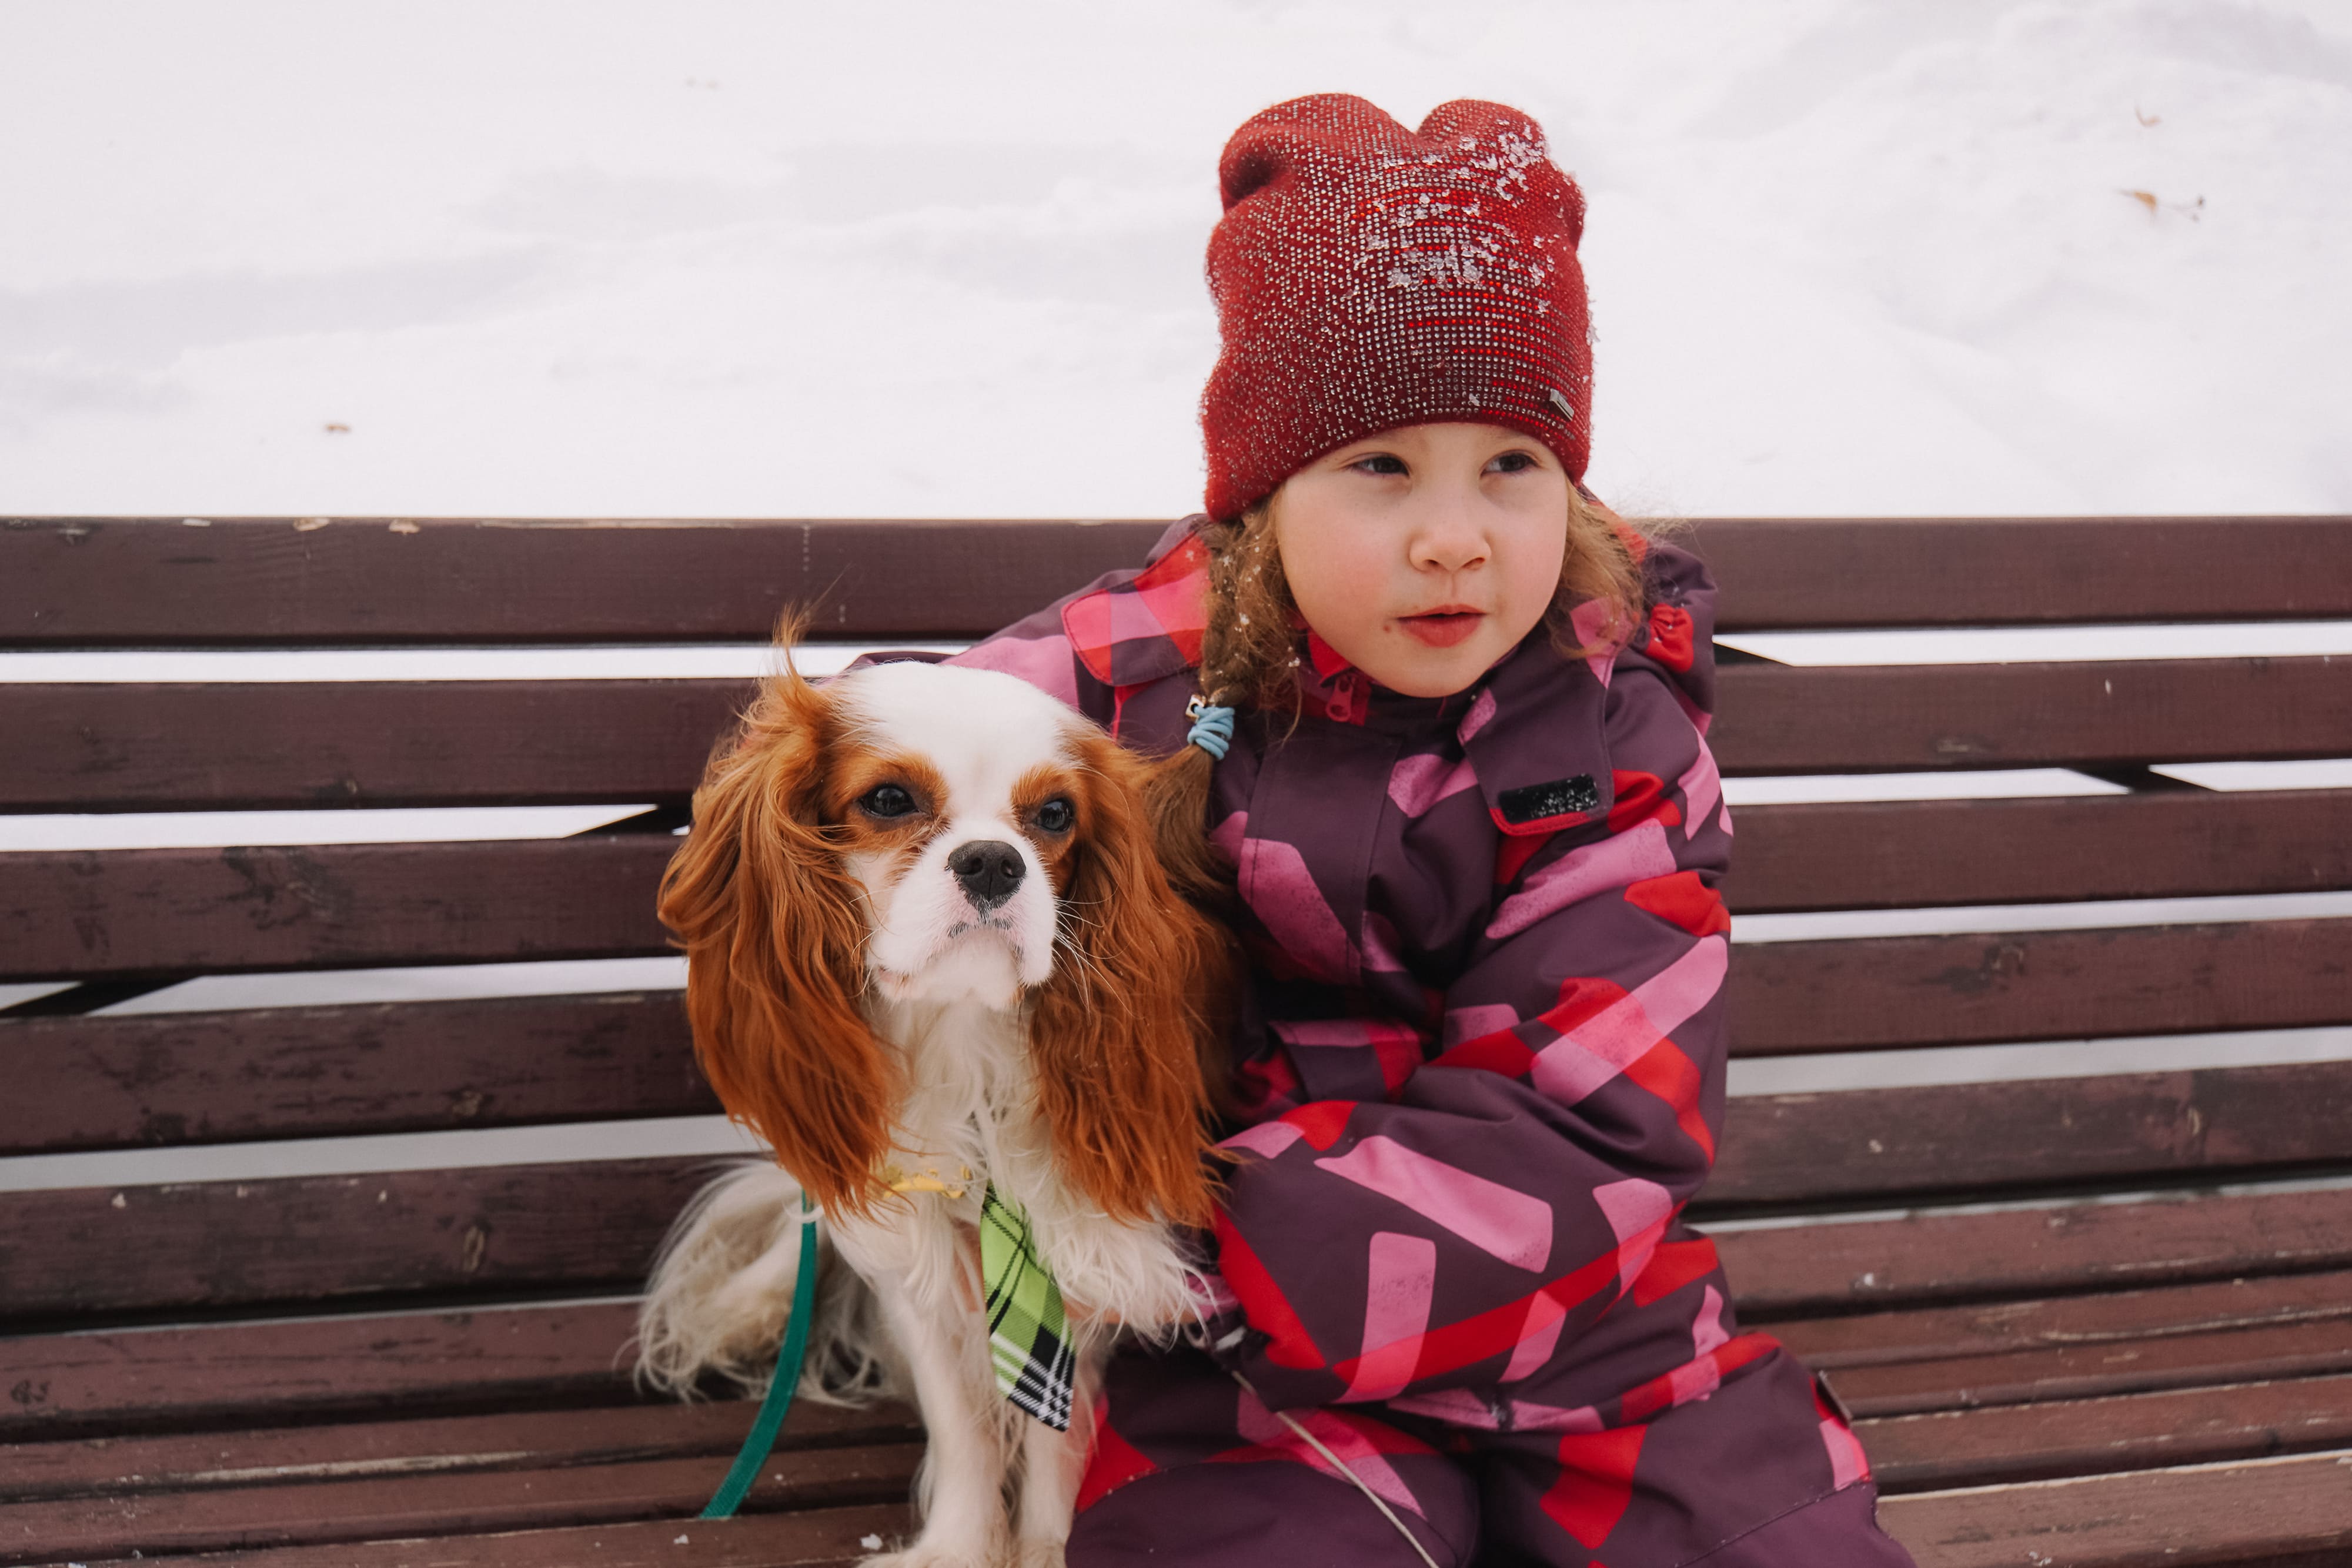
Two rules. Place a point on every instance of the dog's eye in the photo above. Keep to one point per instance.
(1055, 816)
(887, 800)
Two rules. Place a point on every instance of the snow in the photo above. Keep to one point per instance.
(1846, 257)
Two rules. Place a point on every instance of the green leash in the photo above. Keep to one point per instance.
(779, 1399)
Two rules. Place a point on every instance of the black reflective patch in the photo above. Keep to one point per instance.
(1539, 802)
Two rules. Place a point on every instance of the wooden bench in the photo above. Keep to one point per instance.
(2098, 1320)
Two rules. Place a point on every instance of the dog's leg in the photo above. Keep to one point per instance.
(1053, 1465)
(963, 1479)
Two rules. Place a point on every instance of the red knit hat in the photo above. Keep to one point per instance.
(1369, 277)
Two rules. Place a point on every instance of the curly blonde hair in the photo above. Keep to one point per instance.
(1250, 655)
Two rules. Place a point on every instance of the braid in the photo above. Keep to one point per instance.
(1247, 652)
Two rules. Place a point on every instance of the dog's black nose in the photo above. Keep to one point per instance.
(989, 869)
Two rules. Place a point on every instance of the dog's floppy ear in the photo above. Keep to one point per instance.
(1137, 1000)
(773, 937)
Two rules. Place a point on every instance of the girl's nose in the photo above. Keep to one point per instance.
(1449, 538)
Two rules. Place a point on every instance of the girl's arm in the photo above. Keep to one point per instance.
(1470, 1229)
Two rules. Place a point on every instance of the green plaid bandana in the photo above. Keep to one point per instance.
(1027, 1334)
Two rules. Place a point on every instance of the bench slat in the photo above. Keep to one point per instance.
(316, 1511)
(1978, 1138)
(590, 1226)
(826, 1538)
(521, 1437)
(1926, 853)
(71, 914)
(2121, 1432)
(223, 1077)
(2291, 1512)
(1797, 1271)
(114, 581)
(248, 1374)
(2106, 1317)
(170, 1079)
(96, 581)
(2076, 1371)
(583, 1225)
(1873, 993)
(188, 910)
(203, 746)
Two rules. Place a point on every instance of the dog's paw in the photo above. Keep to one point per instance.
(1036, 1554)
(935, 1554)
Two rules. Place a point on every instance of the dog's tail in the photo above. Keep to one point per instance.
(722, 1289)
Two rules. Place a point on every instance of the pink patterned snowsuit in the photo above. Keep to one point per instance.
(1481, 1062)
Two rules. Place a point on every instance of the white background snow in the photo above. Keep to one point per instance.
(1846, 257)
(942, 259)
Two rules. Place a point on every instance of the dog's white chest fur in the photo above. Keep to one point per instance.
(971, 1108)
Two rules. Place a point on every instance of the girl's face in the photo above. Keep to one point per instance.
(1424, 554)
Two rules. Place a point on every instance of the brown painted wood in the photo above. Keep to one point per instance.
(76, 914)
(212, 746)
(595, 1225)
(1918, 719)
(522, 1438)
(2090, 1436)
(222, 1077)
(1800, 1270)
(101, 581)
(243, 1375)
(2035, 1133)
(124, 581)
(2004, 571)
(73, 914)
(214, 1077)
(2293, 1512)
(1872, 993)
(2079, 1372)
(2107, 1318)
(217, 746)
(583, 1226)
(318, 1511)
(1911, 853)
(824, 1538)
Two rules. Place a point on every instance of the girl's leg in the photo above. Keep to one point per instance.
(1191, 1472)
(1757, 1474)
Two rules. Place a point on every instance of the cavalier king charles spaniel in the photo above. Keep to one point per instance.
(932, 955)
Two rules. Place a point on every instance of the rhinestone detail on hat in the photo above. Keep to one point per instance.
(1368, 276)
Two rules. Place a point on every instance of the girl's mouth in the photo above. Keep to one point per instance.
(1444, 626)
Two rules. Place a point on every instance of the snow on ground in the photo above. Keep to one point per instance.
(942, 259)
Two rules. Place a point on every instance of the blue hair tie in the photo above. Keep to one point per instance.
(1213, 727)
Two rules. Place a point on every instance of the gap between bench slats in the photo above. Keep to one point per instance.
(584, 1226)
(73, 915)
(82, 746)
(170, 1079)
(99, 581)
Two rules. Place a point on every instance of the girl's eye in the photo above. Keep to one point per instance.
(1378, 462)
(1512, 462)
(887, 800)
(1055, 816)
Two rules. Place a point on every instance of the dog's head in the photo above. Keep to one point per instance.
(932, 834)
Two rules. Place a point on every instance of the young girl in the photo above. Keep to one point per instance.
(1436, 720)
